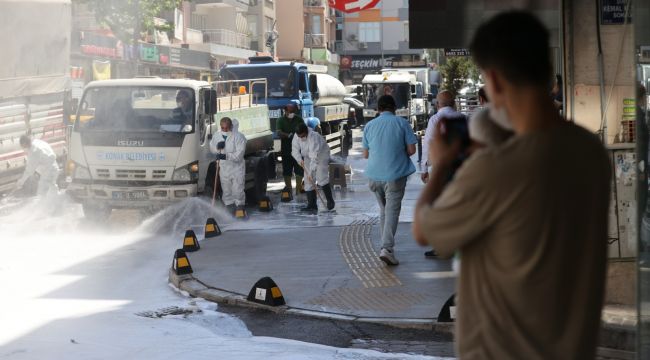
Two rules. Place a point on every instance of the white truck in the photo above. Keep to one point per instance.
(34, 82)
(407, 91)
(129, 149)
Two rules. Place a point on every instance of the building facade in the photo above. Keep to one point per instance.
(371, 39)
(307, 32)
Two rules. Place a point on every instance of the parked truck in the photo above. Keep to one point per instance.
(128, 149)
(319, 96)
(34, 81)
(407, 91)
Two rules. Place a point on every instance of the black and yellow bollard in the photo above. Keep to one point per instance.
(181, 264)
(240, 213)
(190, 242)
(266, 291)
(211, 229)
(448, 311)
(286, 195)
(265, 204)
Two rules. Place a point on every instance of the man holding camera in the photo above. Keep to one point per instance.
(529, 216)
(388, 143)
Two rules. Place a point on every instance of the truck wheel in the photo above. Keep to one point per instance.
(271, 172)
(346, 140)
(254, 194)
(95, 212)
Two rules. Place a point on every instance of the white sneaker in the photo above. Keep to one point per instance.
(387, 256)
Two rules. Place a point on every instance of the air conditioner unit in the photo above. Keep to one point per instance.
(363, 45)
(352, 37)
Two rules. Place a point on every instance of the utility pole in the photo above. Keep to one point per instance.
(136, 36)
(381, 33)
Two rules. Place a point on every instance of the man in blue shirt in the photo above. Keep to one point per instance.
(388, 143)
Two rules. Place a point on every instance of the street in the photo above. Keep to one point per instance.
(79, 290)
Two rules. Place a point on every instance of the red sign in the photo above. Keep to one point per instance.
(351, 6)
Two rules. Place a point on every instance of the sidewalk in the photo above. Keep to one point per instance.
(327, 264)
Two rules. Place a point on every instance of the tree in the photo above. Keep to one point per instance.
(456, 71)
(127, 19)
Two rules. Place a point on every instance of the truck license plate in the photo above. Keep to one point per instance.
(275, 113)
(130, 195)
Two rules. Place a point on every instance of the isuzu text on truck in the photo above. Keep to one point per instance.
(130, 149)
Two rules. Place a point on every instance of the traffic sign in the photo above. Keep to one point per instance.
(351, 6)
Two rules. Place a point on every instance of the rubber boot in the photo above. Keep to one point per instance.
(287, 182)
(327, 189)
(311, 201)
(300, 189)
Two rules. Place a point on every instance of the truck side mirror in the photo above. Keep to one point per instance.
(210, 101)
(313, 85)
(302, 82)
(429, 97)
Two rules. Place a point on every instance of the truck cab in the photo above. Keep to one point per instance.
(404, 88)
(144, 143)
(318, 95)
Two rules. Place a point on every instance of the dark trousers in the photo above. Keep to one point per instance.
(290, 166)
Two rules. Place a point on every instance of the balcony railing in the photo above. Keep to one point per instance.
(194, 36)
(315, 41)
(227, 38)
(314, 3)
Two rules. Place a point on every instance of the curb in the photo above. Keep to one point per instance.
(196, 288)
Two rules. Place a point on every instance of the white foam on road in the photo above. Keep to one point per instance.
(71, 290)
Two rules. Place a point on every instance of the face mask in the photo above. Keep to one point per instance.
(290, 116)
(500, 116)
(225, 134)
(303, 139)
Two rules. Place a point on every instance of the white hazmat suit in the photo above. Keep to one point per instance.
(315, 152)
(42, 159)
(232, 170)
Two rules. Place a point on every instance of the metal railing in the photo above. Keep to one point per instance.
(227, 38)
(237, 94)
(315, 40)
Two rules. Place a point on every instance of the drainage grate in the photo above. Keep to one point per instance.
(172, 310)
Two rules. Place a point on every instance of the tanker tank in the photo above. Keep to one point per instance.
(330, 90)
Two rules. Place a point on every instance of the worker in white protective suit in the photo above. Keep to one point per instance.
(229, 145)
(311, 151)
(41, 159)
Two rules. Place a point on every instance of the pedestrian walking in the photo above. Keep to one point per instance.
(530, 224)
(229, 146)
(311, 151)
(388, 143)
(41, 159)
(286, 128)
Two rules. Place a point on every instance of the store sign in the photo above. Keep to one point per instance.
(99, 45)
(352, 6)
(457, 52)
(612, 12)
(368, 63)
(149, 53)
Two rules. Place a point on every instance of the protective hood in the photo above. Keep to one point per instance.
(235, 125)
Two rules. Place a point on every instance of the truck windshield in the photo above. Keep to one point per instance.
(126, 108)
(280, 79)
(400, 92)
